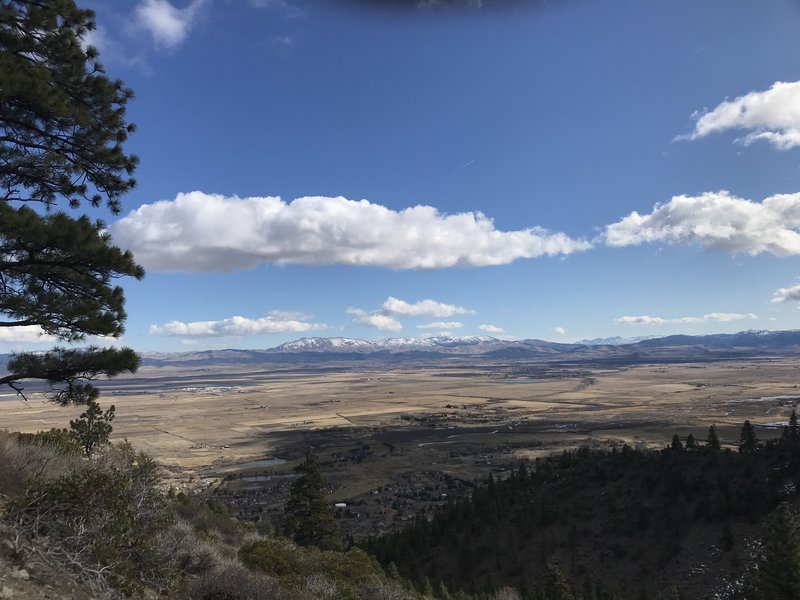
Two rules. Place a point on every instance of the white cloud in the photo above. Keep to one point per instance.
(423, 308)
(168, 24)
(441, 325)
(200, 232)
(234, 326)
(787, 294)
(290, 315)
(491, 329)
(385, 318)
(716, 220)
(24, 334)
(375, 319)
(718, 317)
(560, 330)
(772, 115)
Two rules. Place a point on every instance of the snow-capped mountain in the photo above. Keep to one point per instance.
(435, 340)
(321, 344)
(398, 344)
(393, 350)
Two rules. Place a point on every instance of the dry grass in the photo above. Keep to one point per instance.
(205, 425)
(21, 462)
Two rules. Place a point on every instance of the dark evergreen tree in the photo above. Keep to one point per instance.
(793, 429)
(675, 594)
(392, 572)
(726, 539)
(62, 127)
(555, 585)
(778, 573)
(309, 515)
(747, 438)
(691, 443)
(676, 443)
(441, 592)
(93, 427)
(425, 587)
(713, 440)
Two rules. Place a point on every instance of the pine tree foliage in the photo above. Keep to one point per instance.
(62, 126)
(713, 440)
(778, 574)
(556, 586)
(624, 514)
(747, 438)
(62, 121)
(310, 519)
(93, 427)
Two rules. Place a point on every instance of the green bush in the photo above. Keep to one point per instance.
(350, 575)
(59, 440)
(352, 567)
(213, 519)
(269, 556)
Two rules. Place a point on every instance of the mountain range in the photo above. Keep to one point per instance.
(617, 350)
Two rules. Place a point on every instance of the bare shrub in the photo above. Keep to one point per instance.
(192, 552)
(386, 590)
(320, 587)
(24, 457)
(230, 580)
(215, 519)
(99, 519)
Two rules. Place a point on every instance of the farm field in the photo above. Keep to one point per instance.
(422, 434)
(197, 420)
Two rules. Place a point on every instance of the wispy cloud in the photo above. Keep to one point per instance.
(491, 329)
(282, 6)
(560, 330)
(718, 317)
(200, 232)
(441, 325)
(787, 294)
(235, 326)
(97, 38)
(282, 40)
(423, 308)
(290, 315)
(377, 320)
(168, 25)
(451, 6)
(771, 115)
(716, 220)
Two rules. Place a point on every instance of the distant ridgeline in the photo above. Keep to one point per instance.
(675, 348)
(682, 522)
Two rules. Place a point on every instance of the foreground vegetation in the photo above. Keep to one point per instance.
(106, 523)
(696, 522)
(680, 522)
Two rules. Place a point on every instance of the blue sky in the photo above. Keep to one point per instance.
(323, 167)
